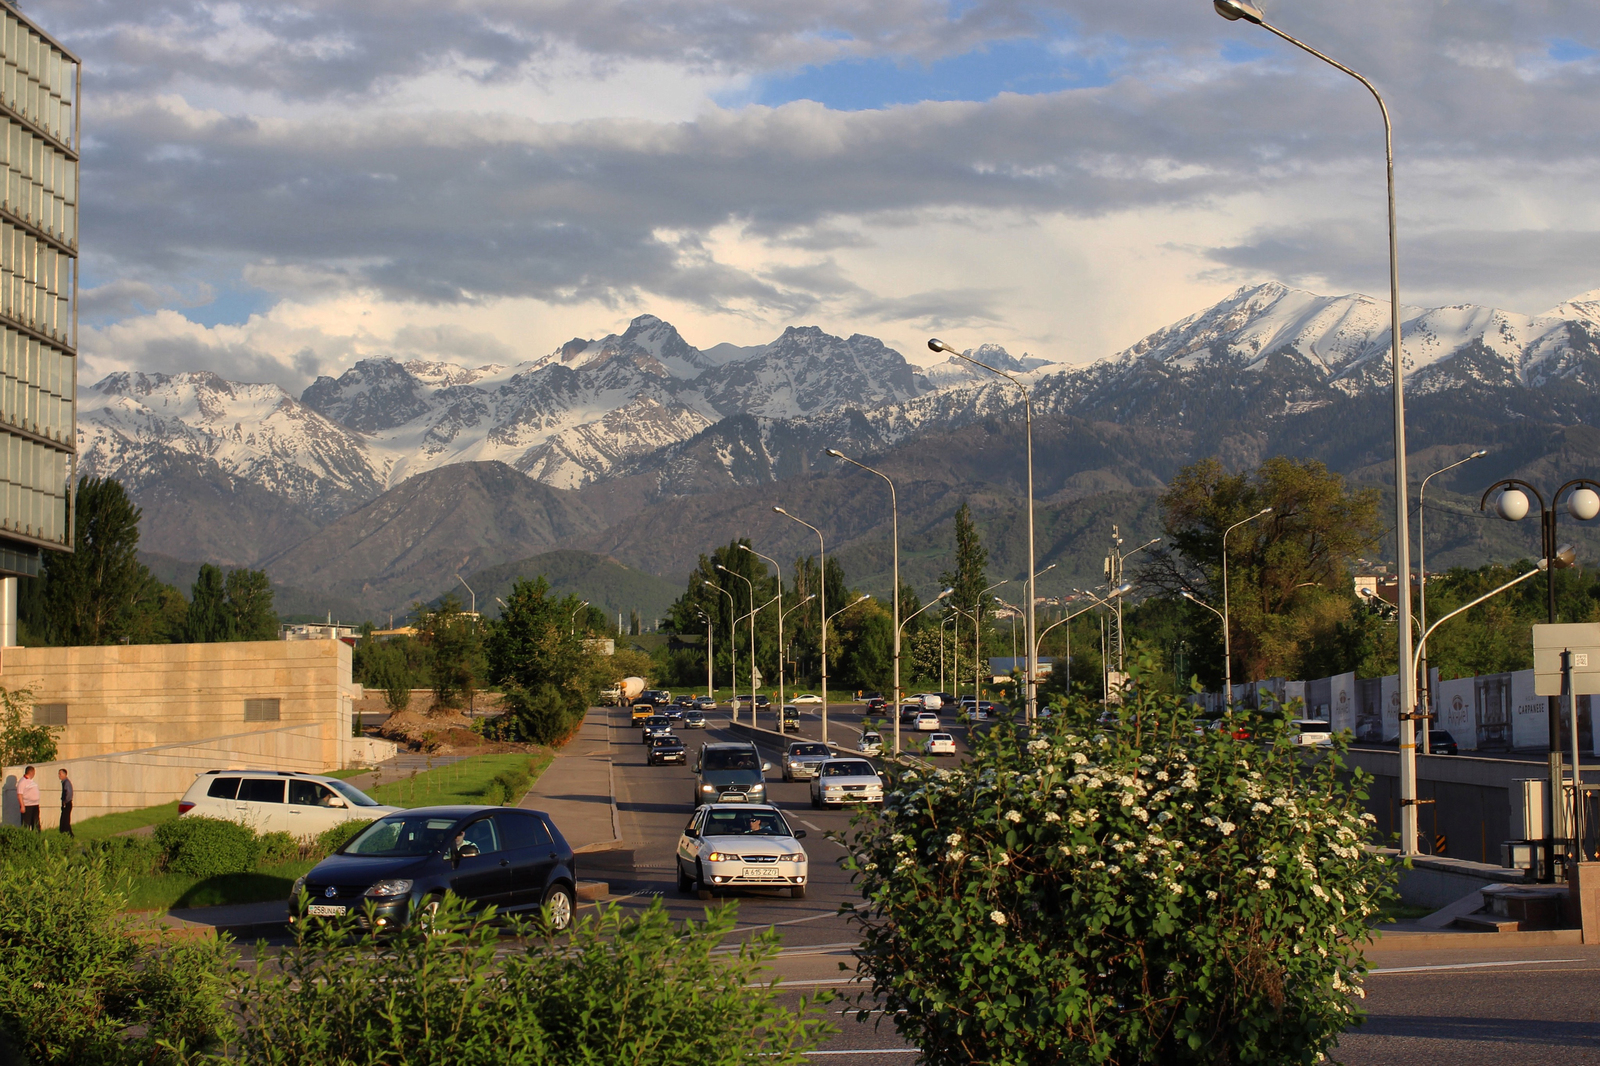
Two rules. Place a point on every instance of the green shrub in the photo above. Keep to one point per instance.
(22, 846)
(133, 856)
(620, 989)
(506, 787)
(331, 840)
(276, 848)
(206, 847)
(1124, 892)
(76, 988)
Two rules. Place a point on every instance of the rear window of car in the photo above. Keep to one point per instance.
(261, 790)
(1315, 727)
(851, 768)
(225, 788)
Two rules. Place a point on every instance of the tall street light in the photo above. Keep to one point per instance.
(822, 608)
(474, 595)
(1032, 700)
(1422, 595)
(1111, 601)
(977, 636)
(1227, 670)
(1115, 594)
(572, 622)
(825, 622)
(1227, 629)
(942, 624)
(781, 616)
(1233, 10)
(1583, 503)
(752, 592)
(733, 659)
(710, 687)
(898, 626)
(894, 594)
(779, 570)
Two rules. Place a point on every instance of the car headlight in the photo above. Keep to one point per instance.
(299, 887)
(721, 856)
(792, 858)
(708, 788)
(398, 886)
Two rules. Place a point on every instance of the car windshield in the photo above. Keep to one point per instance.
(729, 760)
(809, 749)
(733, 822)
(871, 738)
(656, 721)
(403, 834)
(667, 742)
(849, 768)
(353, 794)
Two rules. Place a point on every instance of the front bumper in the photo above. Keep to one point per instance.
(839, 795)
(756, 875)
(803, 771)
(673, 757)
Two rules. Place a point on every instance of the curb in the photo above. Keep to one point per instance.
(1526, 938)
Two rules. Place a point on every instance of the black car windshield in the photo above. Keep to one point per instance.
(403, 834)
(849, 769)
(353, 794)
(656, 721)
(727, 822)
(809, 749)
(667, 742)
(729, 760)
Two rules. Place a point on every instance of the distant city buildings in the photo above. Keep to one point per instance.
(39, 105)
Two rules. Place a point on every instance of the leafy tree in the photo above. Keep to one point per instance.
(549, 678)
(396, 665)
(1130, 891)
(455, 648)
(22, 742)
(249, 605)
(865, 658)
(732, 649)
(209, 619)
(627, 663)
(1289, 572)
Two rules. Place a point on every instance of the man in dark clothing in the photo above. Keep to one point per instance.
(66, 803)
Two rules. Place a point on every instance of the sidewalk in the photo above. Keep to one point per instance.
(577, 789)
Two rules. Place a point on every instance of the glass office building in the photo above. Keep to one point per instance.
(39, 106)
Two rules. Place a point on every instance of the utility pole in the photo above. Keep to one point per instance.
(1113, 568)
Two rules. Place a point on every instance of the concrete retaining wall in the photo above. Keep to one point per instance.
(1436, 881)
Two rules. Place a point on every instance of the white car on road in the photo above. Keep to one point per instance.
(808, 697)
(927, 722)
(870, 744)
(846, 780)
(741, 845)
(272, 801)
(941, 744)
(931, 701)
(1312, 732)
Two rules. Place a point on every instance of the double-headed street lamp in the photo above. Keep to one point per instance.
(1032, 700)
(1227, 629)
(779, 570)
(752, 592)
(1422, 593)
(1234, 10)
(572, 623)
(822, 608)
(1115, 594)
(1583, 503)
(894, 593)
(898, 627)
(733, 659)
(977, 637)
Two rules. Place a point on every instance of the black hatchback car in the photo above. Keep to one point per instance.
(666, 749)
(515, 859)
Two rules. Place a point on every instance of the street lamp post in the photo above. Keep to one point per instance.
(1192, 598)
(710, 678)
(1234, 10)
(946, 622)
(1227, 629)
(779, 571)
(1583, 503)
(905, 622)
(733, 659)
(822, 609)
(474, 595)
(894, 594)
(1422, 595)
(752, 589)
(1032, 699)
(1115, 594)
(572, 622)
(977, 639)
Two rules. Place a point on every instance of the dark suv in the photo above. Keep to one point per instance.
(729, 773)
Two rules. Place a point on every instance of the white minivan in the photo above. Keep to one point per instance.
(272, 801)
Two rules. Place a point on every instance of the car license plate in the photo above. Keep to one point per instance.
(325, 910)
(762, 873)
(733, 797)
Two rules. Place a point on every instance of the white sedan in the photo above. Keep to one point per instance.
(846, 780)
(927, 722)
(808, 697)
(941, 744)
(870, 744)
(741, 845)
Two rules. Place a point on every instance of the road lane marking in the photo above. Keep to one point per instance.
(872, 1051)
(1468, 966)
(808, 825)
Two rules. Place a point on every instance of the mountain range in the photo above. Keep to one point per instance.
(379, 486)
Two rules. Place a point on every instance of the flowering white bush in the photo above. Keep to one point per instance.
(1144, 891)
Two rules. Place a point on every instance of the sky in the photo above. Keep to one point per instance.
(272, 191)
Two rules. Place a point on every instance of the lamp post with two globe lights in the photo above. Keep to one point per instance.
(1031, 699)
(1583, 504)
(1233, 11)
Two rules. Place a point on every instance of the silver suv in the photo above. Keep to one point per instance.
(801, 759)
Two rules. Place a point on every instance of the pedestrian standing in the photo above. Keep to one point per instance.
(28, 799)
(66, 802)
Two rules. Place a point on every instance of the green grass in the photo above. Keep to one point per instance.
(460, 782)
(344, 774)
(109, 825)
(165, 891)
(1394, 911)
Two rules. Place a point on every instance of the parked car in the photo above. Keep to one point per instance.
(666, 749)
(927, 721)
(801, 759)
(846, 780)
(741, 845)
(789, 718)
(941, 744)
(273, 801)
(404, 862)
(808, 697)
(693, 720)
(657, 725)
(729, 773)
(706, 703)
(870, 744)
(1442, 743)
(1312, 732)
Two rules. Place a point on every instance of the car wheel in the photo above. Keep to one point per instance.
(428, 915)
(558, 907)
(700, 881)
(797, 892)
(816, 804)
(685, 882)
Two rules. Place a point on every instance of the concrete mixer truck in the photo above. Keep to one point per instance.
(623, 692)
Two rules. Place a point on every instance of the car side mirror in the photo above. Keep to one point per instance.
(766, 766)
(336, 802)
(799, 834)
(466, 850)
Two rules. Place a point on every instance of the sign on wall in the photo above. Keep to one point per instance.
(1342, 702)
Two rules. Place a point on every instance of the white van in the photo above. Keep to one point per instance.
(1312, 732)
(272, 801)
(931, 701)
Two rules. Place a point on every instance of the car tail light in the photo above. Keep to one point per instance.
(184, 807)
